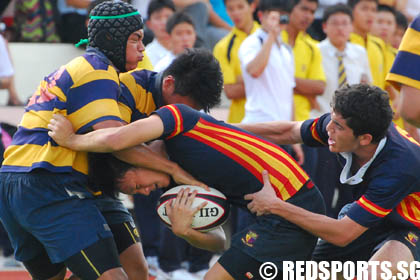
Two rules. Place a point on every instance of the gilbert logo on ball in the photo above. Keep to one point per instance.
(214, 214)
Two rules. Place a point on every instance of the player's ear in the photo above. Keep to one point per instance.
(365, 139)
(168, 84)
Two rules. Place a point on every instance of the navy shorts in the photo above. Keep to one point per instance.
(274, 239)
(119, 220)
(51, 210)
(363, 248)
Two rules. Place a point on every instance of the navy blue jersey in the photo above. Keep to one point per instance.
(226, 157)
(390, 190)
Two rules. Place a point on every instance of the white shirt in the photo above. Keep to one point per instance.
(356, 65)
(155, 51)
(6, 68)
(164, 62)
(270, 96)
(412, 8)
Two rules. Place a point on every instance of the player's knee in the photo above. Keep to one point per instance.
(5, 82)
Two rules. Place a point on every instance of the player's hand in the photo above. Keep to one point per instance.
(181, 213)
(61, 130)
(182, 177)
(262, 200)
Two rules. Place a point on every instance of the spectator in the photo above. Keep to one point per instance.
(364, 12)
(402, 25)
(315, 30)
(73, 15)
(226, 52)
(181, 29)
(35, 21)
(309, 75)
(7, 74)
(157, 15)
(323, 166)
(209, 26)
(410, 8)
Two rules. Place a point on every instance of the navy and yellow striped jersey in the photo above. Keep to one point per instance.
(86, 91)
(140, 94)
(390, 190)
(405, 69)
(226, 157)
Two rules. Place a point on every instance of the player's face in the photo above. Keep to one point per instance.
(303, 14)
(364, 14)
(134, 50)
(340, 136)
(182, 37)
(142, 181)
(240, 12)
(157, 22)
(338, 28)
(384, 26)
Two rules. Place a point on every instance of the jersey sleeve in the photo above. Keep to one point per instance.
(385, 192)
(93, 99)
(314, 132)
(405, 69)
(176, 119)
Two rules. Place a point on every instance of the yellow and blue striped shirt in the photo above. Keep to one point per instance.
(85, 91)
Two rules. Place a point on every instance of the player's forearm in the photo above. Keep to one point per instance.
(309, 87)
(327, 228)
(410, 105)
(213, 241)
(279, 132)
(142, 156)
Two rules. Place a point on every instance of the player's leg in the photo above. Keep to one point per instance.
(126, 236)
(399, 246)
(217, 272)
(130, 250)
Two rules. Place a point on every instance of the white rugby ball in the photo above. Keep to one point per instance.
(214, 214)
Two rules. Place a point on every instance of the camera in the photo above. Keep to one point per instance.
(284, 19)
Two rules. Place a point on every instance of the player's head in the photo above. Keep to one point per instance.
(364, 12)
(337, 24)
(303, 13)
(158, 13)
(241, 12)
(181, 29)
(361, 115)
(385, 23)
(111, 175)
(193, 78)
(116, 29)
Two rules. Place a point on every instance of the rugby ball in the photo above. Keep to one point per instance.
(213, 215)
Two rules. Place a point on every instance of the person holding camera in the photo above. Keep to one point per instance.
(268, 69)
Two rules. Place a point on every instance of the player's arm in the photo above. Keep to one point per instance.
(338, 232)
(181, 213)
(107, 139)
(235, 90)
(279, 132)
(410, 105)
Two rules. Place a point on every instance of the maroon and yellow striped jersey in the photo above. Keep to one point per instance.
(226, 157)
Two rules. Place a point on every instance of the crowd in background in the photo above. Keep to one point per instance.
(296, 66)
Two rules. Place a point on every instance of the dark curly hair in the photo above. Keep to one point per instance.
(365, 108)
(197, 75)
